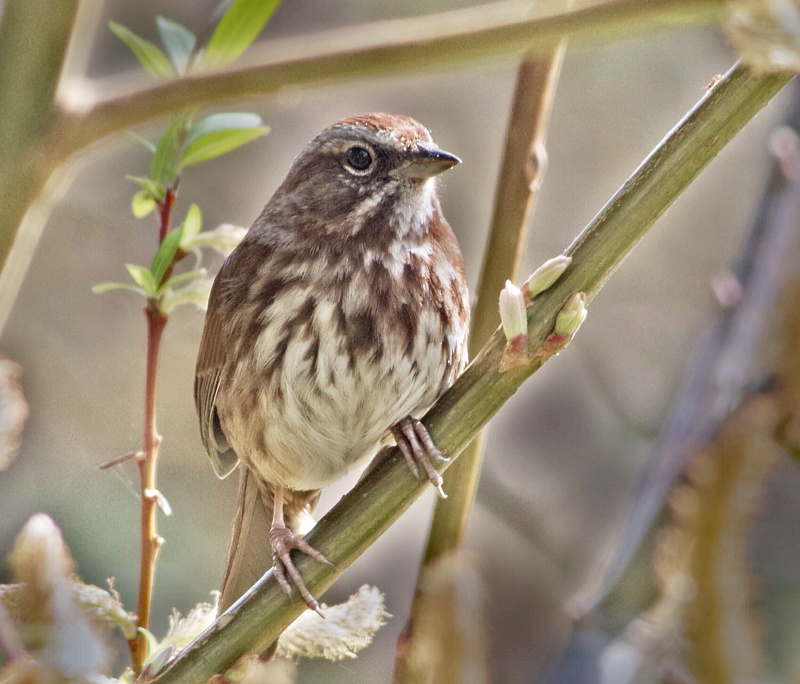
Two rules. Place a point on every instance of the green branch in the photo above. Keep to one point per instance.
(381, 496)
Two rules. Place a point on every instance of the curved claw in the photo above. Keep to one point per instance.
(283, 540)
(417, 447)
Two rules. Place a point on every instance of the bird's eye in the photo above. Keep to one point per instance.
(359, 158)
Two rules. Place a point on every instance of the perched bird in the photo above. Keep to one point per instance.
(340, 318)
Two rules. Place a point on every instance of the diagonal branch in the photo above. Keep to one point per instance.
(379, 498)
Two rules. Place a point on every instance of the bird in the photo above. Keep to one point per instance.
(331, 328)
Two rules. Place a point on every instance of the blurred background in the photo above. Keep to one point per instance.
(563, 456)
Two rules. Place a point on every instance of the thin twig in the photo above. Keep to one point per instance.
(359, 518)
(119, 459)
(150, 540)
(521, 174)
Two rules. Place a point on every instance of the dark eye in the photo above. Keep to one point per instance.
(359, 158)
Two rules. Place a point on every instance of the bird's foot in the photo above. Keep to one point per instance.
(417, 447)
(283, 540)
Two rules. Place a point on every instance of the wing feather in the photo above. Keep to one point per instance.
(210, 361)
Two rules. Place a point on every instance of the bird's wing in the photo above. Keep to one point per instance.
(210, 361)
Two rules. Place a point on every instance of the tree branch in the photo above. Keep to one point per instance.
(379, 49)
(392, 47)
(32, 51)
(380, 497)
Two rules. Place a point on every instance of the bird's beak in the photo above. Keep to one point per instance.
(428, 160)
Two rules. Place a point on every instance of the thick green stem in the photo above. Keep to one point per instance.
(380, 497)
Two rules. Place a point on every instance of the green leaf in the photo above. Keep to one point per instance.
(150, 187)
(100, 288)
(219, 143)
(178, 40)
(183, 277)
(196, 292)
(238, 28)
(165, 255)
(149, 55)
(221, 122)
(142, 204)
(150, 147)
(143, 278)
(166, 159)
(192, 223)
(223, 239)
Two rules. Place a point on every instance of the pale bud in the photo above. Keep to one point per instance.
(572, 315)
(513, 314)
(545, 276)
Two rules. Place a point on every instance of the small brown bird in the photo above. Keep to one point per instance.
(341, 316)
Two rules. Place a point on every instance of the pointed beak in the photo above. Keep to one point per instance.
(427, 161)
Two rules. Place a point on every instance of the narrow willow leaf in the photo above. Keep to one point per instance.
(149, 55)
(143, 278)
(219, 143)
(165, 255)
(221, 122)
(196, 292)
(191, 224)
(183, 277)
(178, 40)
(149, 186)
(166, 159)
(144, 142)
(100, 288)
(142, 204)
(236, 30)
(223, 239)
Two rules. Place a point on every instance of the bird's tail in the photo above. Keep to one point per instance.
(249, 552)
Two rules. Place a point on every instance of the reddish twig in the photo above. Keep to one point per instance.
(146, 460)
(119, 459)
(165, 211)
